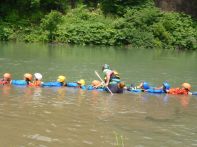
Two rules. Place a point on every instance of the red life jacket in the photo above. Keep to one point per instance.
(178, 91)
(3, 82)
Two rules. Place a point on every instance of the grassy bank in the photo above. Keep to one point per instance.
(140, 27)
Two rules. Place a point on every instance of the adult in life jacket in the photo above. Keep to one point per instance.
(184, 90)
(6, 79)
(111, 76)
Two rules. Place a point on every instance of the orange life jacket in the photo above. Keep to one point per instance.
(35, 83)
(178, 91)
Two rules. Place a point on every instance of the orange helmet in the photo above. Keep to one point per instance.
(7, 76)
(121, 85)
(96, 83)
(186, 86)
(28, 76)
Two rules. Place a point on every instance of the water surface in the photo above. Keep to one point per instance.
(72, 117)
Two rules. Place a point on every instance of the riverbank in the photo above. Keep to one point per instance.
(145, 26)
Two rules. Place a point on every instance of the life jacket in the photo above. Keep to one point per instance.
(4, 82)
(115, 74)
(178, 91)
(35, 83)
(114, 77)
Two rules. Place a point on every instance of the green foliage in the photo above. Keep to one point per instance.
(50, 22)
(140, 25)
(5, 32)
(120, 7)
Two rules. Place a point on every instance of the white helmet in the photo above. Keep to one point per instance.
(38, 76)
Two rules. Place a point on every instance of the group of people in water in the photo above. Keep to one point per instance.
(111, 83)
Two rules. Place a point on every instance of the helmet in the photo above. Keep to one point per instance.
(28, 76)
(81, 82)
(61, 79)
(105, 66)
(96, 83)
(7, 75)
(166, 85)
(145, 85)
(38, 76)
(187, 86)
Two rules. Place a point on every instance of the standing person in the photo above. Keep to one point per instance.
(6, 79)
(111, 76)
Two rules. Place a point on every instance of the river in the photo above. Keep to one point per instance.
(48, 117)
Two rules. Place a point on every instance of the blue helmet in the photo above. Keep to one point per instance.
(145, 85)
(105, 66)
(166, 85)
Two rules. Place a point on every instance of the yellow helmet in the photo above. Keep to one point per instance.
(28, 76)
(186, 86)
(61, 79)
(81, 82)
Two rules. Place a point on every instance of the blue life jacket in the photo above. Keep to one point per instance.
(19, 82)
(52, 84)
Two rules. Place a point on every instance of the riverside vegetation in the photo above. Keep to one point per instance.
(135, 23)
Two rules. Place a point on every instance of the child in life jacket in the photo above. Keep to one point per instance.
(185, 90)
(6, 79)
(37, 80)
(28, 79)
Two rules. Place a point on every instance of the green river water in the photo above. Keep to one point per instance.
(59, 117)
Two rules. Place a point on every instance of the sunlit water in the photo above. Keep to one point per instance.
(76, 118)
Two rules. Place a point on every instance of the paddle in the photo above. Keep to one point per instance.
(103, 82)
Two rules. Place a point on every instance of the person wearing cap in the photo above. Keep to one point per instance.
(28, 78)
(184, 90)
(111, 76)
(37, 80)
(96, 84)
(81, 84)
(6, 79)
(143, 86)
(62, 80)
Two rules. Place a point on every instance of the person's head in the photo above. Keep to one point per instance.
(121, 85)
(105, 66)
(166, 86)
(81, 82)
(38, 76)
(96, 83)
(28, 77)
(145, 85)
(61, 79)
(7, 77)
(186, 86)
